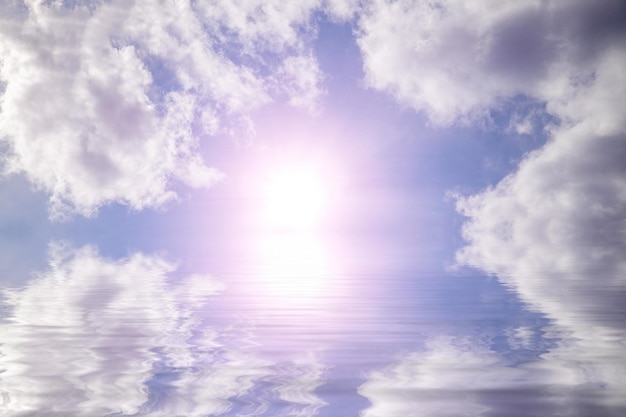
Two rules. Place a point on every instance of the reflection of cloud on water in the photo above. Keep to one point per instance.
(239, 382)
(590, 361)
(93, 336)
(304, 376)
(206, 388)
(444, 380)
(80, 334)
(456, 376)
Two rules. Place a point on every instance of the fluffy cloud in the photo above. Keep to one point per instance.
(562, 212)
(93, 336)
(455, 59)
(105, 102)
(554, 230)
(302, 75)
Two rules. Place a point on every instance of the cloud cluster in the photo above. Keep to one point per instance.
(560, 216)
(554, 230)
(105, 102)
(454, 59)
(93, 336)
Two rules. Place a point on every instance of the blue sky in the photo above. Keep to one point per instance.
(332, 208)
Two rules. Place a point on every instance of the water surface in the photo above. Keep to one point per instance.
(294, 331)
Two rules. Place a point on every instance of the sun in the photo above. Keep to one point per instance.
(295, 198)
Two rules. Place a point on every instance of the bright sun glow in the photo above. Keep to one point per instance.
(295, 198)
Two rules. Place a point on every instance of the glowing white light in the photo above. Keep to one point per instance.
(297, 201)
(294, 268)
(294, 198)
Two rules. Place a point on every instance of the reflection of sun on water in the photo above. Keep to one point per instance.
(294, 268)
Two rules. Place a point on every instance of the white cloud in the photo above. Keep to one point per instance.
(561, 214)
(302, 74)
(554, 230)
(106, 103)
(272, 25)
(343, 10)
(455, 59)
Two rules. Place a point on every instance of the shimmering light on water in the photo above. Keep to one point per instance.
(293, 268)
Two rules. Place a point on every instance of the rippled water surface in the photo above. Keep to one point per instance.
(293, 331)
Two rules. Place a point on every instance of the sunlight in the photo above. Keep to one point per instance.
(294, 198)
(294, 267)
(298, 199)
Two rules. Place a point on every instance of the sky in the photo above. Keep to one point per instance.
(367, 208)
